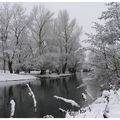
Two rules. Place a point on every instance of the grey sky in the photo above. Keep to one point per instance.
(85, 13)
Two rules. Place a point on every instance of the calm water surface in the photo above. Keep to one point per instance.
(44, 89)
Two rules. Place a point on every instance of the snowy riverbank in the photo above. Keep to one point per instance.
(106, 106)
(15, 77)
(54, 75)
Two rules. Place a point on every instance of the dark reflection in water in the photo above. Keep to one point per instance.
(44, 90)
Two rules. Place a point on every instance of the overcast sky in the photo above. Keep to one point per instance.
(85, 13)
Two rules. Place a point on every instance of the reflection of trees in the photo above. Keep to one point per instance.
(6, 102)
(65, 85)
(58, 85)
(8, 95)
(20, 94)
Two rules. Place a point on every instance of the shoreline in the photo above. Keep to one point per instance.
(7, 77)
(52, 75)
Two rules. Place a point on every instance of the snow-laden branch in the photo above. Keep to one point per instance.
(62, 110)
(12, 110)
(72, 102)
(82, 85)
(89, 94)
(33, 97)
(84, 96)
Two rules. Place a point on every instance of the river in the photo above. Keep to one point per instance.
(44, 90)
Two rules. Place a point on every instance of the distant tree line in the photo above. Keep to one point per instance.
(38, 40)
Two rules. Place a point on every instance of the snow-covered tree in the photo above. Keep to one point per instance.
(105, 43)
(39, 29)
(38, 40)
(66, 34)
(18, 26)
(5, 21)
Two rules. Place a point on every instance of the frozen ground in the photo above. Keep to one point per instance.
(106, 106)
(14, 77)
(54, 75)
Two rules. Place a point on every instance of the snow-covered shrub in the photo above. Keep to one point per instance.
(105, 94)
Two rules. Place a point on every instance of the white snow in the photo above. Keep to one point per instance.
(35, 72)
(14, 77)
(62, 110)
(82, 85)
(48, 116)
(2, 71)
(106, 93)
(77, 50)
(72, 102)
(12, 110)
(54, 75)
(89, 94)
(33, 97)
(108, 105)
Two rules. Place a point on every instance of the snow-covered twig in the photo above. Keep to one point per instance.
(62, 110)
(82, 85)
(12, 110)
(89, 95)
(84, 96)
(106, 112)
(33, 97)
(72, 102)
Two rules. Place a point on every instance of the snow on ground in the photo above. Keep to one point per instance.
(35, 72)
(108, 105)
(12, 110)
(14, 77)
(33, 97)
(54, 75)
(2, 71)
(72, 102)
(31, 72)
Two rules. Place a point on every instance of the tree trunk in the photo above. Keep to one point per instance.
(17, 71)
(43, 71)
(64, 68)
(10, 66)
(29, 70)
(4, 61)
(4, 64)
(116, 67)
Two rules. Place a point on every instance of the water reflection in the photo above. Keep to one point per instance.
(44, 89)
